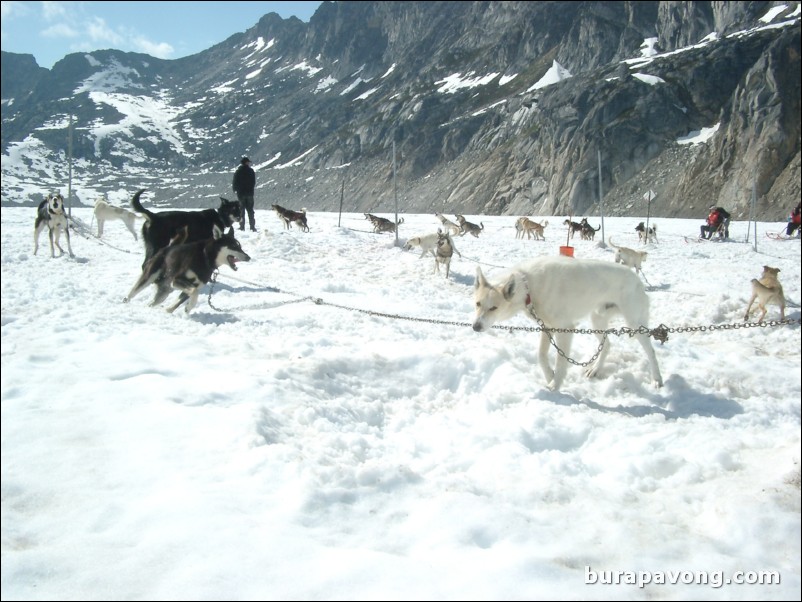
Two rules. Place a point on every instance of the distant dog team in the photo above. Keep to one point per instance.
(184, 248)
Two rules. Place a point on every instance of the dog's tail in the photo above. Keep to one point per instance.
(138, 206)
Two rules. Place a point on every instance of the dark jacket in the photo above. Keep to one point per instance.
(244, 180)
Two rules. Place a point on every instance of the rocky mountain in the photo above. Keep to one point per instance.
(505, 108)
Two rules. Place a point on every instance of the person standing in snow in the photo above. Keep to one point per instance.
(244, 184)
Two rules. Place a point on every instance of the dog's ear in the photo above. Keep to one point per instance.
(216, 232)
(480, 279)
(509, 288)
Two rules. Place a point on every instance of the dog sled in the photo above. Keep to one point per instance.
(781, 236)
(715, 239)
(701, 239)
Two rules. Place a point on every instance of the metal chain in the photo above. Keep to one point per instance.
(659, 333)
(213, 280)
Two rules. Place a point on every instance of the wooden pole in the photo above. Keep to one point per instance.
(342, 192)
(395, 194)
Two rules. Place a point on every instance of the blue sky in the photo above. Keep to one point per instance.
(169, 30)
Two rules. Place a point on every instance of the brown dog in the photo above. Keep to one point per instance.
(467, 227)
(573, 227)
(289, 217)
(528, 227)
(767, 290)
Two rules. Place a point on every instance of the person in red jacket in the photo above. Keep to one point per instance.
(793, 221)
(714, 219)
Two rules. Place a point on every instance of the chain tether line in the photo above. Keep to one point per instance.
(660, 333)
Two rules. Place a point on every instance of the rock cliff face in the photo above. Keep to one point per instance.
(462, 107)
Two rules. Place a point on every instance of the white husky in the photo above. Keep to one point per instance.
(427, 243)
(105, 212)
(629, 257)
(559, 291)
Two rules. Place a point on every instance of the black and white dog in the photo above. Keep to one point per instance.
(187, 267)
(50, 215)
(646, 235)
(160, 228)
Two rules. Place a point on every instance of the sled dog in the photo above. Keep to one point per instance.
(767, 290)
(104, 212)
(629, 257)
(450, 226)
(445, 250)
(50, 215)
(645, 235)
(427, 243)
(467, 227)
(187, 267)
(528, 227)
(289, 217)
(160, 228)
(559, 291)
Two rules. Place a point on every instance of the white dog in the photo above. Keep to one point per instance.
(105, 212)
(558, 292)
(629, 257)
(426, 243)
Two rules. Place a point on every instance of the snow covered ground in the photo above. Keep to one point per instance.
(327, 426)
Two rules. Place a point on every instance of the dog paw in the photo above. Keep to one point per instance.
(554, 385)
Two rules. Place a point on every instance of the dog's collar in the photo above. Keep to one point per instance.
(528, 297)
